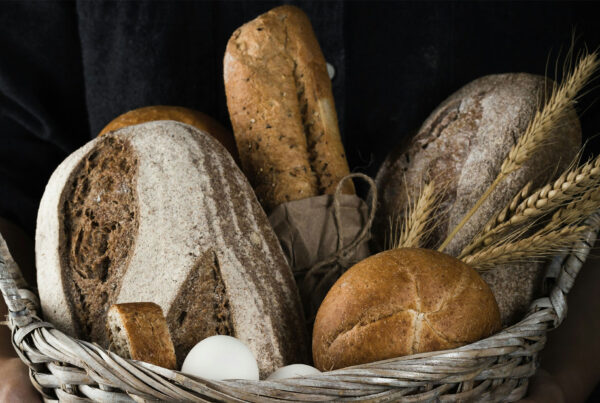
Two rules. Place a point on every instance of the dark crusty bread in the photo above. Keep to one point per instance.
(159, 212)
(282, 109)
(199, 120)
(138, 330)
(461, 146)
(399, 302)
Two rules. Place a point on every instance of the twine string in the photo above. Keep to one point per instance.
(342, 259)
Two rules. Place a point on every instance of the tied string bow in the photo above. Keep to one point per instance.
(322, 275)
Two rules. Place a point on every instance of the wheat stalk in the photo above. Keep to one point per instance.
(553, 112)
(540, 245)
(411, 229)
(539, 130)
(526, 208)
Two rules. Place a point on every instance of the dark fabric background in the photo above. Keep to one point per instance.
(68, 68)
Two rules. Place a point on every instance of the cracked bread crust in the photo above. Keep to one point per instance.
(282, 110)
(400, 302)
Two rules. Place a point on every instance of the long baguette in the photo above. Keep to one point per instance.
(282, 110)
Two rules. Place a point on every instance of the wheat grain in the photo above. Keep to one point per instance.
(579, 209)
(412, 228)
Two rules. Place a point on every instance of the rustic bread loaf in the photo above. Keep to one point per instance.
(159, 212)
(400, 302)
(461, 146)
(188, 116)
(282, 109)
(138, 330)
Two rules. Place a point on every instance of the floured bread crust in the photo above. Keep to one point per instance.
(197, 218)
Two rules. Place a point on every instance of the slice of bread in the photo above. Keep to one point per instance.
(138, 330)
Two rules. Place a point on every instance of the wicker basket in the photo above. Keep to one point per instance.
(493, 369)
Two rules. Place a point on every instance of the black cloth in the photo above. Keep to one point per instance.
(68, 68)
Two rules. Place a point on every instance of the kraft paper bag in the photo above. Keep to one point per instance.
(310, 238)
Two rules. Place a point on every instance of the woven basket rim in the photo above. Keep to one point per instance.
(492, 369)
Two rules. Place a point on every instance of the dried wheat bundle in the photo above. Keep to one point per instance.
(412, 228)
(526, 208)
(540, 130)
(541, 245)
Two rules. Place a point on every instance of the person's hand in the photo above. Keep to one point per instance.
(544, 388)
(15, 386)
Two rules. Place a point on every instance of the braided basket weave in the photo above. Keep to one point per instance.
(493, 369)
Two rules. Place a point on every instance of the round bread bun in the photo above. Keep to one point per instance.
(400, 302)
(188, 116)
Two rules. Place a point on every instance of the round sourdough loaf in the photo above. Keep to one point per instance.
(159, 212)
(461, 146)
(399, 302)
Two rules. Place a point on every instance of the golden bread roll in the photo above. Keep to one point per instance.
(400, 302)
(180, 114)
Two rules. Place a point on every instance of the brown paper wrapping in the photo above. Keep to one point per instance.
(310, 237)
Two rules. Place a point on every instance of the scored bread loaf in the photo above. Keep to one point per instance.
(138, 330)
(199, 120)
(399, 302)
(282, 110)
(160, 212)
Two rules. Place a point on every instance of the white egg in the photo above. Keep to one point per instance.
(219, 358)
(293, 371)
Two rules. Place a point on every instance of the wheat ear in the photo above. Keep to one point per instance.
(539, 130)
(415, 225)
(538, 246)
(578, 210)
(526, 208)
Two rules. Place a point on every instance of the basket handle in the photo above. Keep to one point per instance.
(21, 303)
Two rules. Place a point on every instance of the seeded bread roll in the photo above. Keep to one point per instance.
(400, 302)
(282, 109)
(188, 116)
(159, 212)
(139, 331)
